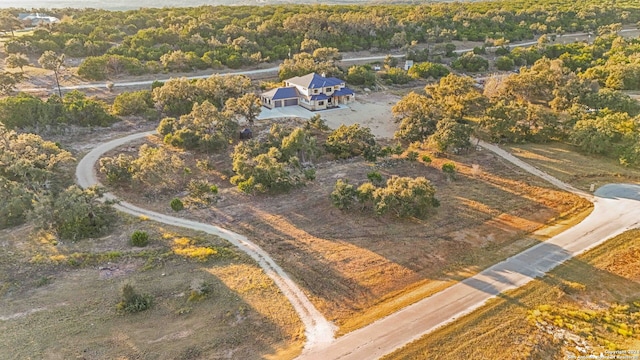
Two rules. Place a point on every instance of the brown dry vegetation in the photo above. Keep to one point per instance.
(565, 163)
(591, 283)
(57, 300)
(357, 267)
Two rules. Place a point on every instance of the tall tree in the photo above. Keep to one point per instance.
(458, 96)
(8, 82)
(17, 61)
(417, 116)
(9, 23)
(52, 61)
(247, 106)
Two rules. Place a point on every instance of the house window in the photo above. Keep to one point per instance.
(320, 102)
(315, 91)
(328, 90)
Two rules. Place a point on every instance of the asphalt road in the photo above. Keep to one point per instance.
(318, 330)
(271, 70)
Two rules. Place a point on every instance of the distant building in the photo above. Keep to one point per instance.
(408, 64)
(312, 92)
(35, 19)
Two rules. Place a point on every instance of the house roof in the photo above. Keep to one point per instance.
(319, 97)
(281, 93)
(343, 92)
(314, 81)
(36, 17)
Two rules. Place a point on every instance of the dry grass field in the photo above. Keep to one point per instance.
(357, 267)
(568, 165)
(589, 303)
(58, 300)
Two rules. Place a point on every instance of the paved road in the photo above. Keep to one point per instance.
(271, 70)
(616, 209)
(318, 330)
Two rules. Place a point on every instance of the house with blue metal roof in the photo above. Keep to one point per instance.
(311, 91)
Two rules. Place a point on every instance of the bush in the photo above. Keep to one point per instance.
(198, 290)
(505, 63)
(132, 103)
(139, 238)
(375, 177)
(449, 169)
(470, 62)
(343, 195)
(412, 156)
(350, 141)
(176, 204)
(426, 159)
(132, 302)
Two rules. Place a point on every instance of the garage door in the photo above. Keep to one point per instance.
(277, 103)
(291, 102)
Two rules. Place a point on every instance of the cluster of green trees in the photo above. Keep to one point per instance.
(155, 170)
(550, 102)
(193, 38)
(279, 163)
(440, 116)
(547, 101)
(28, 112)
(34, 184)
(176, 97)
(205, 128)
(400, 196)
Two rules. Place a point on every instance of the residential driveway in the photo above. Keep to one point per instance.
(287, 111)
(300, 112)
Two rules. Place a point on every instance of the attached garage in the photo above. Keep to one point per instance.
(280, 97)
(291, 102)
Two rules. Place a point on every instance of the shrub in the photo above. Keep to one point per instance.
(449, 169)
(505, 63)
(132, 302)
(132, 103)
(198, 290)
(139, 238)
(412, 156)
(426, 159)
(375, 177)
(343, 194)
(176, 204)
(350, 141)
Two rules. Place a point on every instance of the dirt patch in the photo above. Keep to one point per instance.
(372, 110)
(49, 306)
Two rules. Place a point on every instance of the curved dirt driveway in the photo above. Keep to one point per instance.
(318, 330)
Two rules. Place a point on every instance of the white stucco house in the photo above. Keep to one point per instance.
(35, 19)
(311, 91)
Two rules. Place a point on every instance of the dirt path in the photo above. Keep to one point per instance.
(616, 209)
(318, 330)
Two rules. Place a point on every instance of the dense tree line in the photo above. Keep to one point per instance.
(544, 102)
(193, 38)
(34, 184)
(29, 112)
